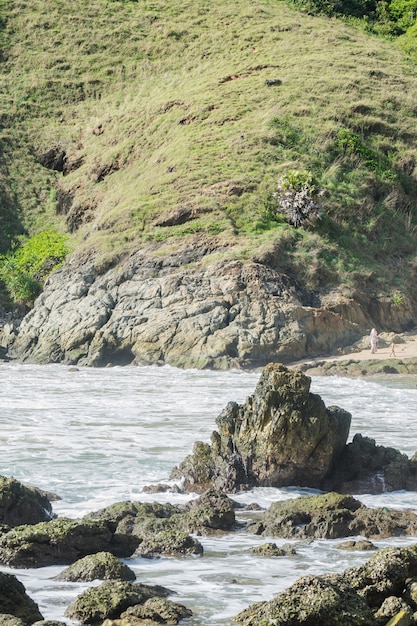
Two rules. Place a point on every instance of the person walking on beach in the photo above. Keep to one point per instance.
(392, 346)
(374, 340)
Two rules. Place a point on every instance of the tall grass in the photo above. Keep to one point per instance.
(166, 106)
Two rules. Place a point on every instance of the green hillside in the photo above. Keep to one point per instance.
(130, 122)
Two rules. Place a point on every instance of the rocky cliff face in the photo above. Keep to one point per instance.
(180, 309)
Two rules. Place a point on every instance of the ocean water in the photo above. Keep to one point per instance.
(98, 436)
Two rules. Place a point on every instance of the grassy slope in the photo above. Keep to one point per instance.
(171, 98)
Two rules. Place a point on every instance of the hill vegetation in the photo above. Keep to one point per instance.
(127, 123)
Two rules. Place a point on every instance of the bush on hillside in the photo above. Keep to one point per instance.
(298, 198)
(24, 271)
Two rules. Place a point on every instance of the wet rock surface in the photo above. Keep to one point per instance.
(371, 594)
(98, 566)
(282, 435)
(110, 599)
(20, 504)
(15, 602)
(332, 516)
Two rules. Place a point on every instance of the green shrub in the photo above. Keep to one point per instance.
(25, 270)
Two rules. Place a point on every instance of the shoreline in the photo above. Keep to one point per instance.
(357, 360)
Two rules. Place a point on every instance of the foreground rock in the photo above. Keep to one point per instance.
(15, 601)
(369, 595)
(22, 505)
(130, 602)
(284, 435)
(332, 516)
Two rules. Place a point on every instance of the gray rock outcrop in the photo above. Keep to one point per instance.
(176, 310)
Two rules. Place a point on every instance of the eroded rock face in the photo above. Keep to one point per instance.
(282, 435)
(176, 309)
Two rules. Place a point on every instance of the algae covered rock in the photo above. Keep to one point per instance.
(20, 504)
(158, 610)
(332, 516)
(110, 599)
(375, 593)
(311, 601)
(99, 566)
(15, 601)
(282, 435)
(58, 542)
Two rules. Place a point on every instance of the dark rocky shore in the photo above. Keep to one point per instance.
(282, 435)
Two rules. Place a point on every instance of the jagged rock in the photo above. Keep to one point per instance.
(211, 511)
(364, 467)
(110, 599)
(282, 435)
(99, 566)
(15, 601)
(22, 505)
(332, 516)
(165, 528)
(58, 542)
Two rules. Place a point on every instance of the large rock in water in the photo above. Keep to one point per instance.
(282, 435)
